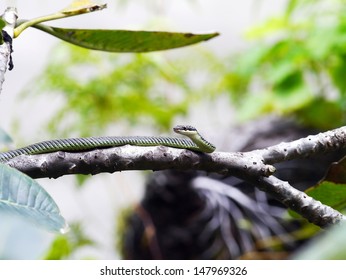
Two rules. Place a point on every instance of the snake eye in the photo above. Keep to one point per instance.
(189, 128)
(184, 128)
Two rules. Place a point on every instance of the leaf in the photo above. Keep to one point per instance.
(329, 193)
(290, 7)
(83, 6)
(272, 25)
(63, 246)
(21, 195)
(321, 113)
(331, 245)
(332, 188)
(292, 99)
(125, 40)
(337, 172)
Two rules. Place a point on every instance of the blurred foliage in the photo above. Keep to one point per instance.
(65, 245)
(101, 88)
(122, 227)
(329, 245)
(296, 65)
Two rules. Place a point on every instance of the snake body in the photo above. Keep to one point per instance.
(195, 143)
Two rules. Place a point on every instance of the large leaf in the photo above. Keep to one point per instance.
(125, 40)
(331, 245)
(21, 195)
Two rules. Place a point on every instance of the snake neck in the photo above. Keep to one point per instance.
(204, 145)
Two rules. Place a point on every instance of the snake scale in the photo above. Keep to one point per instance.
(195, 142)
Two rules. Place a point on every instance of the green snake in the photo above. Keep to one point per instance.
(195, 142)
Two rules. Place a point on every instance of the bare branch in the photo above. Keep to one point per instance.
(128, 157)
(311, 209)
(254, 163)
(329, 141)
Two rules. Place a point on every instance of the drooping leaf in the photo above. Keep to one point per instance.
(21, 195)
(125, 40)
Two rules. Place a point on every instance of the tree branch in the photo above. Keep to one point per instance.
(328, 141)
(309, 208)
(128, 157)
(10, 17)
(254, 166)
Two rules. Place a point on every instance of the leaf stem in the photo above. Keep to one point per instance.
(24, 24)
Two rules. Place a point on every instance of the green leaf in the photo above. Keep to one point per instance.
(125, 40)
(321, 113)
(63, 246)
(254, 105)
(290, 7)
(287, 101)
(21, 195)
(272, 25)
(329, 193)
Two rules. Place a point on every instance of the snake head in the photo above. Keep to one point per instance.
(186, 130)
(202, 145)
